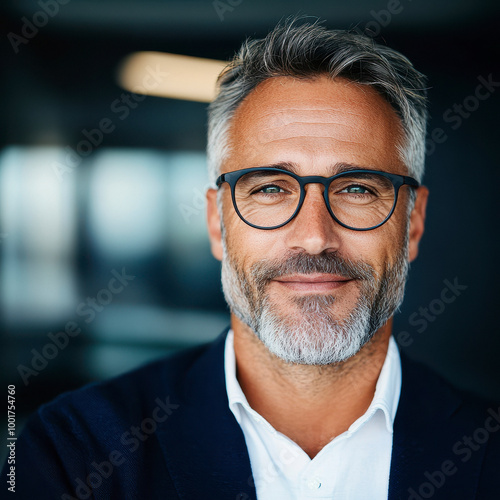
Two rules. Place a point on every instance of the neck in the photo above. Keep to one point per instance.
(309, 404)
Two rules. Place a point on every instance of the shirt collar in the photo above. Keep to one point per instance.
(234, 393)
(387, 390)
(386, 396)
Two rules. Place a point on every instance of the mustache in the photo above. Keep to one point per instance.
(303, 263)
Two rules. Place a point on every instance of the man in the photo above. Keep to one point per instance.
(316, 150)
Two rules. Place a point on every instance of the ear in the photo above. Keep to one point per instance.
(417, 222)
(214, 225)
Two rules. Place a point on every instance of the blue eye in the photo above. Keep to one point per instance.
(271, 190)
(355, 189)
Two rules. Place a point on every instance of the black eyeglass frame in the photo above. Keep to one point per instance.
(397, 181)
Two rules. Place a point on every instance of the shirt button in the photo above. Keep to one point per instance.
(314, 484)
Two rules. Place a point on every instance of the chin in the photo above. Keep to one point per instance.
(315, 336)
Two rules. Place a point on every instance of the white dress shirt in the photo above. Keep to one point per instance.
(354, 465)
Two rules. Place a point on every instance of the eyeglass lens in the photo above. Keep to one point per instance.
(268, 199)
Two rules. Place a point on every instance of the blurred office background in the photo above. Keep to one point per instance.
(97, 182)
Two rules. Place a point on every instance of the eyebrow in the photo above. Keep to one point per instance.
(336, 168)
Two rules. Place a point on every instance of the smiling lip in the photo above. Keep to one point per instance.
(313, 282)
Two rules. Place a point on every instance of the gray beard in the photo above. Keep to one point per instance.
(314, 336)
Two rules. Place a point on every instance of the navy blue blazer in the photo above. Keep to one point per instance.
(165, 431)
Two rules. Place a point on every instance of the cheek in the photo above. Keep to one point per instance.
(376, 247)
(238, 237)
(248, 245)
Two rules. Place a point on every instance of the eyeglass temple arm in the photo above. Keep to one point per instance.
(220, 180)
(410, 181)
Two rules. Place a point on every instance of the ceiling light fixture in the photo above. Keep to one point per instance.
(171, 75)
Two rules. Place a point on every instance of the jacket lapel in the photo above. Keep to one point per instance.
(429, 423)
(202, 443)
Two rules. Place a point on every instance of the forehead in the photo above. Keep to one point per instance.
(314, 123)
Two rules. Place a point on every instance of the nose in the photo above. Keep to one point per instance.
(313, 230)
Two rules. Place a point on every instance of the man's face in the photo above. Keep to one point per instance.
(313, 291)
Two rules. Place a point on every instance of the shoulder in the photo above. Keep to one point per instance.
(84, 435)
(437, 423)
(422, 384)
(130, 395)
(434, 398)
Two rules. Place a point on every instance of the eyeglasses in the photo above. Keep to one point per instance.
(269, 198)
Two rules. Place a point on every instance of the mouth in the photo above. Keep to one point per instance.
(312, 283)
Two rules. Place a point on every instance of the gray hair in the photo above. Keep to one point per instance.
(309, 50)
